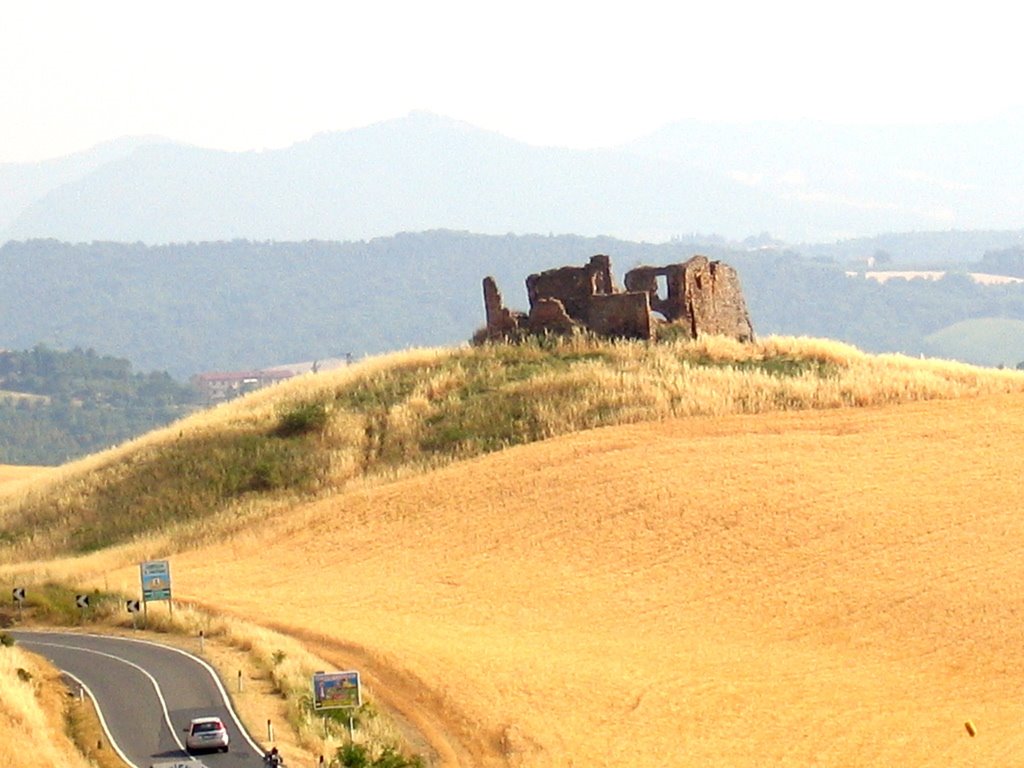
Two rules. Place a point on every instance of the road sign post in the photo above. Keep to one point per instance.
(18, 593)
(156, 584)
(337, 690)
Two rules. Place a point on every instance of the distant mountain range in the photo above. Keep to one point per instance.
(801, 182)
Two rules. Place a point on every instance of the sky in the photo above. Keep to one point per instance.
(255, 75)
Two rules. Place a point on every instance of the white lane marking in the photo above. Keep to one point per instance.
(216, 680)
(152, 680)
(212, 672)
(102, 719)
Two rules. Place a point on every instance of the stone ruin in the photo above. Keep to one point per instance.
(702, 297)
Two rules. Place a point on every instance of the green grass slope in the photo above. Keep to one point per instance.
(990, 341)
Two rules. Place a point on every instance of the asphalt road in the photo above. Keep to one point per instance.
(146, 694)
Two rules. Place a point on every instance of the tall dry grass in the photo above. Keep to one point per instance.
(32, 732)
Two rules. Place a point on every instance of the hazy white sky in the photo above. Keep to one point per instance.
(251, 75)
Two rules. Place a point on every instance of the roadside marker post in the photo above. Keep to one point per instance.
(133, 607)
(18, 593)
(82, 601)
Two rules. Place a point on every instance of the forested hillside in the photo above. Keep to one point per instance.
(193, 307)
(55, 406)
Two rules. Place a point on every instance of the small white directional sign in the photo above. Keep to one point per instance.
(133, 606)
(19, 594)
(82, 601)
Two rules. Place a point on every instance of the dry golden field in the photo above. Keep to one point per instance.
(838, 587)
(753, 573)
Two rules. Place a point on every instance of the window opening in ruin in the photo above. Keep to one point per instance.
(662, 287)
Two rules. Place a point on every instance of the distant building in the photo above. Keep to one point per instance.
(312, 366)
(217, 387)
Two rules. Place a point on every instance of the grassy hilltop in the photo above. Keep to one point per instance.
(786, 552)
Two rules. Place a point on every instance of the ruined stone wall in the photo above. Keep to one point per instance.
(573, 286)
(621, 315)
(713, 302)
(501, 323)
(549, 315)
(702, 296)
(671, 305)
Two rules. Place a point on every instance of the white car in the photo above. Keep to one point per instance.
(206, 733)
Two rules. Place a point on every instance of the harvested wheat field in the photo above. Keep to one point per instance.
(838, 587)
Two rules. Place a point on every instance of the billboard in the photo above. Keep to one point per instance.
(334, 690)
(156, 580)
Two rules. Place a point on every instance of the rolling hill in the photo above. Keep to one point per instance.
(990, 341)
(789, 554)
(823, 589)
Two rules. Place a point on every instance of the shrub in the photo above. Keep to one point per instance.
(673, 332)
(353, 755)
(302, 419)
